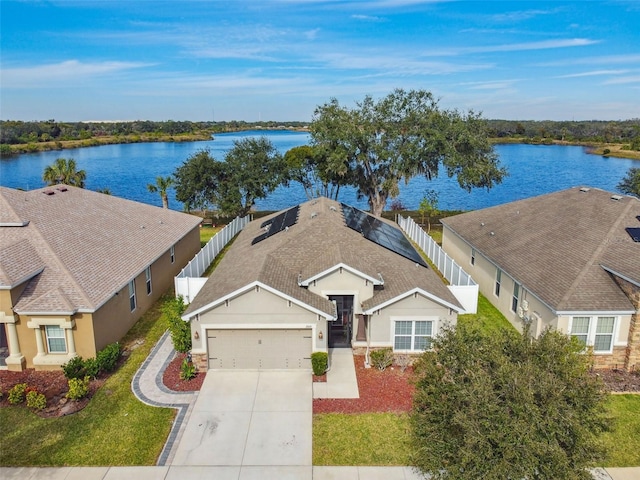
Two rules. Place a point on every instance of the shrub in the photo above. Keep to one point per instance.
(74, 368)
(606, 151)
(92, 368)
(319, 362)
(381, 358)
(108, 357)
(78, 388)
(36, 400)
(179, 329)
(16, 394)
(403, 361)
(187, 370)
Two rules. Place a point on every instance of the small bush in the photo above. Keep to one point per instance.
(78, 388)
(36, 400)
(91, 368)
(179, 329)
(319, 363)
(16, 394)
(187, 370)
(381, 359)
(606, 151)
(74, 368)
(403, 361)
(108, 357)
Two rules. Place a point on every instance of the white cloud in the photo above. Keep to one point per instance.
(515, 47)
(593, 73)
(68, 71)
(630, 59)
(623, 80)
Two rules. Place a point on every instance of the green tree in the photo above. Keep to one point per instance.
(162, 185)
(64, 171)
(630, 184)
(379, 143)
(507, 406)
(309, 166)
(252, 169)
(428, 207)
(196, 181)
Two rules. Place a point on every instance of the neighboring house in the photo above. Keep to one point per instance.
(568, 260)
(303, 281)
(78, 268)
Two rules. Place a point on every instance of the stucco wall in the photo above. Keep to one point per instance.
(257, 308)
(412, 307)
(343, 282)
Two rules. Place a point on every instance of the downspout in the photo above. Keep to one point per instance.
(367, 360)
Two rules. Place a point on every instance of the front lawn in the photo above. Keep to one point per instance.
(114, 429)
(623, 442)
(362, 439)
(488, 317)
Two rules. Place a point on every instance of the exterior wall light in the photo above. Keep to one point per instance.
(196, 335)
(320, 335)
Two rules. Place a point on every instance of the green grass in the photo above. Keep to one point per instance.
(623, 443)
(206, 233)
(114, 429)
(488, 317)
(362, 439)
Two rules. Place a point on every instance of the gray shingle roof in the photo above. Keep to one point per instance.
(319, 241)
(557, 244)
(91, 245)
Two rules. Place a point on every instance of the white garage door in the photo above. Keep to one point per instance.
(259, 348)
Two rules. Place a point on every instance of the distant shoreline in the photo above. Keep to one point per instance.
(594, 148)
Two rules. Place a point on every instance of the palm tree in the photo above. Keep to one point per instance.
(162, 185)
(64, 171)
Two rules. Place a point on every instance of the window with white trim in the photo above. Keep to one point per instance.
(172, 254)
(595, 331)
(412, 335)
(147, 275)
(515, 298)
(56, 339)
(498, 281)
(132, 295)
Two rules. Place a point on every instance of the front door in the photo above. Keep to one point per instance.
(341, 328)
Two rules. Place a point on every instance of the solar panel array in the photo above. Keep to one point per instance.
(380, 233)
(278, 223)
(634, 233)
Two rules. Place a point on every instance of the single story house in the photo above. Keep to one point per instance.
(79, 268)
(568, 260)
(316, 276)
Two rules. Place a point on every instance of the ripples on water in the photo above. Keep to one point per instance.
(127, 169)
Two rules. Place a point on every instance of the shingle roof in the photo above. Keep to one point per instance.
(91, 244)
(319, 241)
(556, 245)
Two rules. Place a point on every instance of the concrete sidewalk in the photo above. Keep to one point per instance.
(341, 377)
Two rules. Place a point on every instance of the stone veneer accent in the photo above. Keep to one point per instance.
(200, 361)
(632, 354)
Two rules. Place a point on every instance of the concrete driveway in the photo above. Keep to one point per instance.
(249, 418)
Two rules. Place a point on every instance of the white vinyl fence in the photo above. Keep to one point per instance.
(461, 285)
(189, 281)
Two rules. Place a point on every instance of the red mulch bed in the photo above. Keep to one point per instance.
(171, 377)
(388, 391)
(52, 384)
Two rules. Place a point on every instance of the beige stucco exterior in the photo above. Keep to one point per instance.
(484, 272)
(88, 332)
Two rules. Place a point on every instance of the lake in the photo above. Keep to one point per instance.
(127, 169)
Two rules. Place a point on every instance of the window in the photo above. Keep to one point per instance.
(498, 280)
(56, 341)
(473, 257)
(598, 334)
(172, 254)
(132, 295)
(147, 274)
(413, 335)
(514, 299)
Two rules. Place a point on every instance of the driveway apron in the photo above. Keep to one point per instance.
(249, 418)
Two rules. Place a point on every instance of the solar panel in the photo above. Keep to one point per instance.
(381, 233)
(278, 223)
(634, 233)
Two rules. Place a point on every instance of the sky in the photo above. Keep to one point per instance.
(259, 60)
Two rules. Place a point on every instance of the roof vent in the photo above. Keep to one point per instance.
(585, 189)
(617, 198)
(482, 224)
(314, 214)
(49, 192)
(62, 189)
(492, 233)
(333, 209)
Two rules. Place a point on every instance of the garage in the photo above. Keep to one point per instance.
(261, 349)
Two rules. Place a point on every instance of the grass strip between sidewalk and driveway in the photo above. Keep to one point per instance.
(114, 429)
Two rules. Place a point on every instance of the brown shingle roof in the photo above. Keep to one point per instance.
(319, 241)
(91, 244)
(556, 244)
